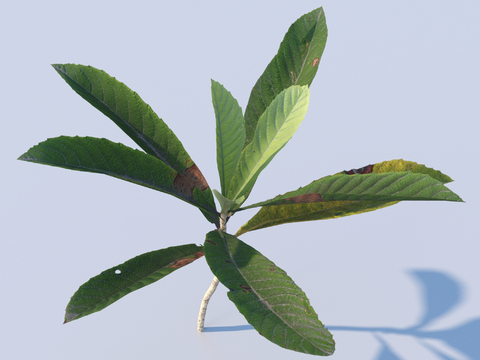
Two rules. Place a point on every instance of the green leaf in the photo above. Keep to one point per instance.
(268, 298)
(113, 284)
(230, 133)
(282, 214)
(275, 128)
(125, 107)
(392, 186)
(296, 63)
(373, 187)
(105, 157)
(206, 198)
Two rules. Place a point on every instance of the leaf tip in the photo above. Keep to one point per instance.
(25, 157)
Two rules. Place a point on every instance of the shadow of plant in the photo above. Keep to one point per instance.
(440, 294)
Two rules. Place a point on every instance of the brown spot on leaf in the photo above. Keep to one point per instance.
(211, 242)
(272, 268)
(303, 199)
(185, 183)
(185, 261)
(315, 61)
(364, 170)
(245, 287)
(228, 262)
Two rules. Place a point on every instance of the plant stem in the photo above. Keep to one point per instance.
(213, 285)
(204, 304)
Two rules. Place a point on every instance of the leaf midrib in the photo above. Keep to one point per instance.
(263, 157)
(219, 124)
(309, 47)
(266, 304)
(140, 135)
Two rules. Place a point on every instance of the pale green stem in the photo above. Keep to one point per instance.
(213, 285)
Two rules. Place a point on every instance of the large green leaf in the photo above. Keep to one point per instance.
(106, 157)
(230, 133)
(118, 281)
(351, 194)
(268, 298)
(296, 63)
(282, 214)
(275, 128)
(125, 107)
(392, 186)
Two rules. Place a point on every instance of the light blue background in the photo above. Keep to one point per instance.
(398, 79)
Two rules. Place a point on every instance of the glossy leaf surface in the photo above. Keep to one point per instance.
(392, 186)
(268, 298)
(275, 128)
(103, 156)
(118, 281)
(306, 205)
(296, 63)
(125, 107)
(230, 133)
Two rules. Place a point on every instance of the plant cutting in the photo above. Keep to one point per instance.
(246, 143)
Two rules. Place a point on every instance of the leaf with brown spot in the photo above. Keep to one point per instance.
(343, 194)
(303, 43)
(401, 165)
(187, 260)
(118, 281)
(268, 298)
(185, 183)
(244, 287)
(363, 170)
(137, 119)
(303, 199)
(102, 156)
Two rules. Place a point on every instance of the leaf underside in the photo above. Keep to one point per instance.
(353, 192)
(275, 128)
(118, 281)
(268, 298)
(103, 156)
(296, 63)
